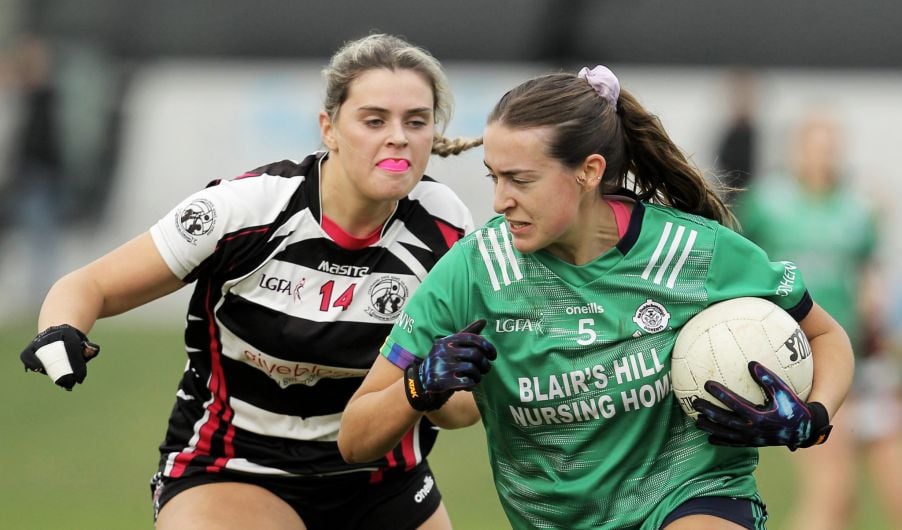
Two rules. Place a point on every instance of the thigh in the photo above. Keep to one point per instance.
(439, 520)
(227, 505)
(703, 522)
(400, 500)
(717, 513)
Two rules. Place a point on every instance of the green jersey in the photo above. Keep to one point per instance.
(582, 427)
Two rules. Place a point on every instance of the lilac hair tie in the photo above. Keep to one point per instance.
(604, 82)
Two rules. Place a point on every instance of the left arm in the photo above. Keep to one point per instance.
(785, 418)
(833, 359)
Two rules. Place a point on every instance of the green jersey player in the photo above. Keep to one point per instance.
(582, 288)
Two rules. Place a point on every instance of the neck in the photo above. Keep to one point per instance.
(597, 233)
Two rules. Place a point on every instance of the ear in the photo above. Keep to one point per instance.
(327, 131)
(592, 170)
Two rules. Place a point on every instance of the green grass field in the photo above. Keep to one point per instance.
(82, 459)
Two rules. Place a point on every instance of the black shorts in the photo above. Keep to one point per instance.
(400, 500)
(747, 513)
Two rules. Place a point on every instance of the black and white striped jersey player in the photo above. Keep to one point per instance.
(287, 315)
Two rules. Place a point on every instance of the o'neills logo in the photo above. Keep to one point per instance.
(651, 317)
(428, 483)
(789, 279)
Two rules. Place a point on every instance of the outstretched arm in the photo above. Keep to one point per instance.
(127, 277)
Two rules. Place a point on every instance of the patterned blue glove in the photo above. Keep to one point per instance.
(783, 419)
(62, 352)
(456, 362)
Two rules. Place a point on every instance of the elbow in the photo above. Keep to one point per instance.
(346, 448)
(347, 451)
(354, 453)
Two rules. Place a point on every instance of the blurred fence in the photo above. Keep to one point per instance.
(188, 122)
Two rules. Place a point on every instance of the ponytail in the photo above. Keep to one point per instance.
(661, 172)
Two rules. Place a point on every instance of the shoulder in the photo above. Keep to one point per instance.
(287, 168)
(440, 201)
(265, 182)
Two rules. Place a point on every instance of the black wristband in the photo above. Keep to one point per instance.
(40, 337)
(418, 398)
(820, 425)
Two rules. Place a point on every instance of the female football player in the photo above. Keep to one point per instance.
(607, 243)
(299, 270)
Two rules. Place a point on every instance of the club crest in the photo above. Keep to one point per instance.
(651, 317)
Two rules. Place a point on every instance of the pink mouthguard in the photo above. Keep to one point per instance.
(391, 164)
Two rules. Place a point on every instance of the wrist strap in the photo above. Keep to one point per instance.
(418, 398)
(820, 424)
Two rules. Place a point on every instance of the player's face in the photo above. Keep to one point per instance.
(538, 195)
(381, 139)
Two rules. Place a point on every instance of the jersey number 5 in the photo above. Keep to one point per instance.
(587, 335)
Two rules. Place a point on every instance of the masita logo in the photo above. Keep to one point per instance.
(354, 271)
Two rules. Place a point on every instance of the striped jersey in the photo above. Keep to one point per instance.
(583, 429)
(287, 317)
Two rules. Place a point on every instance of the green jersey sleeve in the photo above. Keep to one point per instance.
(741, 268)
(436, 309)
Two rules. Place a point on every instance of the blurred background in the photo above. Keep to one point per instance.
(112, 111)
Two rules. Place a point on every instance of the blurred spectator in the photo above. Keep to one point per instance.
(31, 196)
(63, 146)
(809, 215)
(735, 156)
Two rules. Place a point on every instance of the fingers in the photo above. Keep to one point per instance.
(476, 356)
(718, 415)
(470, 336)
(90, 350)
(31, 361)
(716, 429)
(474, 327)
(729, 398)
(769, 381)
(465, 377)
(470, 341)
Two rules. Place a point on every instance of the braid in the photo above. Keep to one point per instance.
(444, 147)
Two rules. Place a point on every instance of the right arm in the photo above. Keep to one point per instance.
(127, 277)
(378, 414)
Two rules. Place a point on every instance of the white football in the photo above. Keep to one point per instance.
(718, 343)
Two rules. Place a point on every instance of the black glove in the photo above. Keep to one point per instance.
(455, 362)
(783, 419)
(62, 352)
